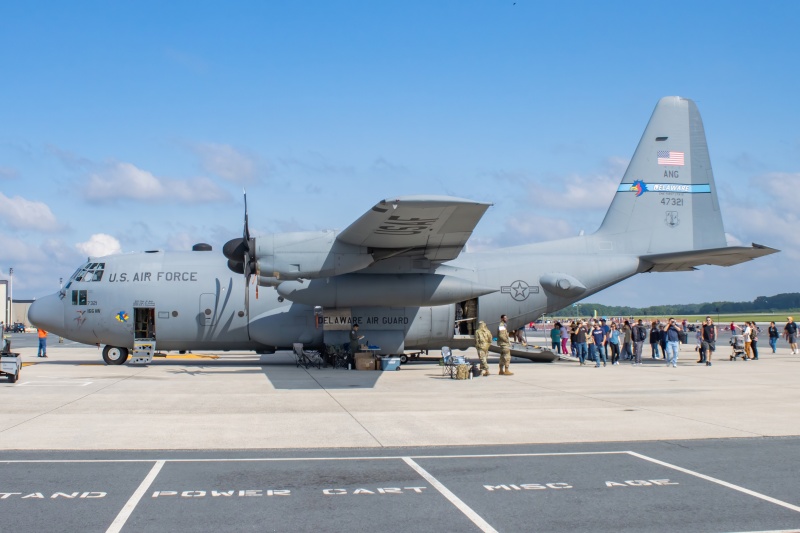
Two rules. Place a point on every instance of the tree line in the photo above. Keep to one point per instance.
(763, 304)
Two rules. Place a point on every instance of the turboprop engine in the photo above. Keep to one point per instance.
(299, 255)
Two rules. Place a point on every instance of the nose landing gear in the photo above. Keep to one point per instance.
(113, 355)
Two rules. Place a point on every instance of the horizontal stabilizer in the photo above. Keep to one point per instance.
(683, 261)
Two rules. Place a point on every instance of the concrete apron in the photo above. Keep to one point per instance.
(72, 401)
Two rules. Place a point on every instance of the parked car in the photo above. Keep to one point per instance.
(18, 327)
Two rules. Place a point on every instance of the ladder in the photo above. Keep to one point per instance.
(143, 351)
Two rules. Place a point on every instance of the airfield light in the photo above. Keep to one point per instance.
(11, 296)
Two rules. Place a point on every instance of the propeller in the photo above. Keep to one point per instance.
(241, 254)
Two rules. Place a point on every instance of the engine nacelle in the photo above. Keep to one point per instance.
(308, 254)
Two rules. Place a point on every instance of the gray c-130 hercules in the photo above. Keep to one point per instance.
(399, 271)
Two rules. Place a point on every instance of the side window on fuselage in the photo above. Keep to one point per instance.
(78, 297)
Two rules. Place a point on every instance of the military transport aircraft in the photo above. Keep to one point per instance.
(400, 270)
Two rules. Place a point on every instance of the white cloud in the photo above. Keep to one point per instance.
(770, 227)
(182, 241)
(20, 213)
(732, 240)
(37, 267)
(523, 228)
(227, 162)
(780, 186)
(530, 227)
(594, 191)
(18, 251)
(125, 180)
(567, 192)
(99, 245)
(584, 192)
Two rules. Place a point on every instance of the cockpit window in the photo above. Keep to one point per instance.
(79, 297)
(90, 272)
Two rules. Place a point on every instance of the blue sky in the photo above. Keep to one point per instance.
(127, 126)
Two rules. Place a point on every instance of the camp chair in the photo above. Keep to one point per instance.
(451, 362)
(306, 358)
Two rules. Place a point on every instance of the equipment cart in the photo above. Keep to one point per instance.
(10, 363)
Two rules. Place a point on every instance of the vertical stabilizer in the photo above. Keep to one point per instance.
(667, 201)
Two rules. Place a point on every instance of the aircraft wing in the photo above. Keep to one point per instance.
(728, 256)
(436, 226)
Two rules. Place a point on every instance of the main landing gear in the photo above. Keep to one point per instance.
(115, 356)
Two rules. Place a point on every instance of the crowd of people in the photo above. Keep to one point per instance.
(604, 341)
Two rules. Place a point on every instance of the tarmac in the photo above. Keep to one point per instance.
(208, 442)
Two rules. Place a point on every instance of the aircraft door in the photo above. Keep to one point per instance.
(208, 304)
(144, 335)
(466, 318)
(144, 320)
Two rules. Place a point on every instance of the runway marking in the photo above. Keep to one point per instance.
(126, 511)
(476, 519)
(719, 482)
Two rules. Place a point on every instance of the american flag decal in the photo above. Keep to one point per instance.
(669, 157)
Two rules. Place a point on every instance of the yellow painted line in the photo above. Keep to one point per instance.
(29, 364)
(191, 356)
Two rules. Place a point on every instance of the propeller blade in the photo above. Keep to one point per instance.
(247, 300)
(246, 225)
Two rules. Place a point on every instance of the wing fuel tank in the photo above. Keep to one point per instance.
(400, 290)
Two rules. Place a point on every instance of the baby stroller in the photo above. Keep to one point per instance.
(737, 347)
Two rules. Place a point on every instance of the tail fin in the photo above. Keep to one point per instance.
(667, 201)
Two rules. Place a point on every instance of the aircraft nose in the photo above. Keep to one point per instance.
(47, 313)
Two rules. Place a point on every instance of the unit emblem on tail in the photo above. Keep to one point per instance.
(639, 187)
(672, 219)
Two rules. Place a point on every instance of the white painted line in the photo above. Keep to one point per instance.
(720, 482)
(455, 500)
(279, 459)
(126, 511)
(55, 383)
(771, 531)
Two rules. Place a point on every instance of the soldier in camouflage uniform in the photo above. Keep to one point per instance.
(471, 311)
(483, 339)
(505, 347)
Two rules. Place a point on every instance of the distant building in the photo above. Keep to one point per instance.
(21, 312)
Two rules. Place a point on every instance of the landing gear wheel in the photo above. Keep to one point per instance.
(115, 356)
(403, 359)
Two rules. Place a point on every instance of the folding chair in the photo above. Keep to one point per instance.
(451, 362)
(299, 358)
(306, 358)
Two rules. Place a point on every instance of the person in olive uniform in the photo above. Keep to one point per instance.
(354, 338)
(505, 347)
(483, 339)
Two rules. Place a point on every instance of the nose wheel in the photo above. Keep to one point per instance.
(113, 355)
